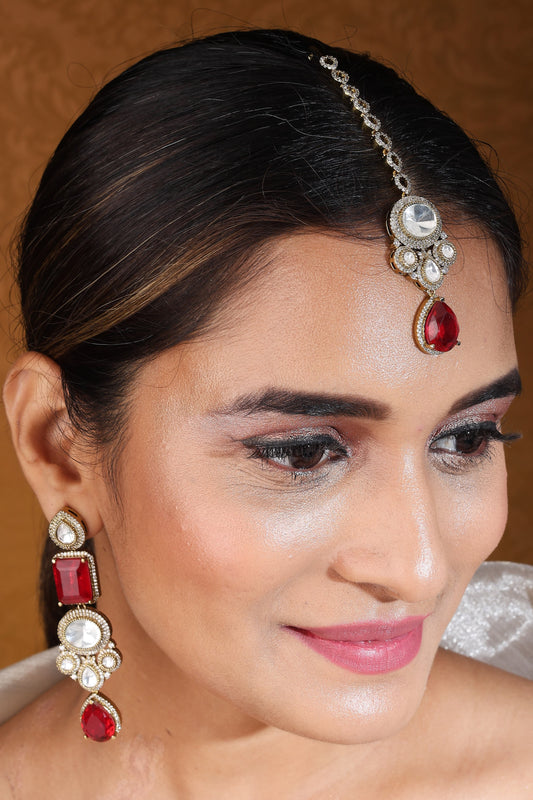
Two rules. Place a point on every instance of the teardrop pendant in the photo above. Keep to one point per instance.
(436, 329)
(100, 720)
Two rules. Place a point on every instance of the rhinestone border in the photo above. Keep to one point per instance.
(76, 662)
(74, 522)
(90, 663)
(419, 324)
(109, 707)
(84, 613)
(397, 229)
(421, 278)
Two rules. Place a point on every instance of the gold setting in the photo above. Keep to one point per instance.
(91, 657)
(420, 322)
(109, 659)
(109, 707)
(67, 516)
(86, 615)
(89, 664)
(67, 663)
(102, 657)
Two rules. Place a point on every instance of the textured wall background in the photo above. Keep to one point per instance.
(474, 59)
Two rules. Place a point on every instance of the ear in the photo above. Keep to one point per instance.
(45, 441)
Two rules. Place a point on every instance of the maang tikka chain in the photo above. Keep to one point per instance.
(420, 250)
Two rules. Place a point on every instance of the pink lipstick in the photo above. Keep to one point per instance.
(368, 648)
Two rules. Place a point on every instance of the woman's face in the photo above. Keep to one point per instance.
(305, 495)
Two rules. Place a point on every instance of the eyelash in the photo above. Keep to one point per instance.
(330, 449)
(302, 447)
(483, 434)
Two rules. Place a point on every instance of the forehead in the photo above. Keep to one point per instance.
(328, 314)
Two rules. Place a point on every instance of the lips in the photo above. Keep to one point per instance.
(368, 648)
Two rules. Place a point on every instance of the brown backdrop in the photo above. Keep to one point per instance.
(474, 59)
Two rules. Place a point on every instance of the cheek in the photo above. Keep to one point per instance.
(475, 515)
(208, 539)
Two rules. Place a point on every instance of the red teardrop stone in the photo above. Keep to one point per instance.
(97, 723)
(441, 328)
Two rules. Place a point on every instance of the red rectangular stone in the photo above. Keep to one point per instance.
(73, 581)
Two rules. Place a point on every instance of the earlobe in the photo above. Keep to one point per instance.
(42, 433)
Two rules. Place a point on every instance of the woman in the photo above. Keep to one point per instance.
(288, 488)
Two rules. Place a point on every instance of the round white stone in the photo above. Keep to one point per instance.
(83, 633)
(447, 251)
(65, 534)
(89, 678)
(409, 258)
(431, 271)
(419, 220)
(67, 664)
(108, 662)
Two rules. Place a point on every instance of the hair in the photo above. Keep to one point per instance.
(156, 202)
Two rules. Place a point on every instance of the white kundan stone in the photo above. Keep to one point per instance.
(431, 271)
(108, 662)
(409, 258)
(447, 251)
(419, 220)
(67, 664)
(83, 633)
(89, 678)
(65, 534)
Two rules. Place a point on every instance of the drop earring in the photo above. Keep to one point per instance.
(87, 653)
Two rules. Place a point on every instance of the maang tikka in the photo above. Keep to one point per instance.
(86, 653)
(420, 251)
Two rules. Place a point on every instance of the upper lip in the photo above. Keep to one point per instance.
(373, 630)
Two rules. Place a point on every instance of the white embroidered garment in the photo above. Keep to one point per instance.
(494, 624)
(494, 621)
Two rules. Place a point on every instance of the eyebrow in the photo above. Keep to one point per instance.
(312, 404)
(506, 386)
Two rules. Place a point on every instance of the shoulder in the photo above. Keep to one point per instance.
(484, 722)
(30, 742)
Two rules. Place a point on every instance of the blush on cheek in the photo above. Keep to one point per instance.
(479, 520)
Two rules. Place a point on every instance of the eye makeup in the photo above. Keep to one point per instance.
(299, 453)
(470, 436)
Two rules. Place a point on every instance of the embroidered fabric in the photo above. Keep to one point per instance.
(493, 623)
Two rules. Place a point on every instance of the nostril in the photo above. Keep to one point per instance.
(383, 594)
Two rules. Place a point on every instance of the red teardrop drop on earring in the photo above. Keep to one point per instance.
(441, 329)
(97, 723)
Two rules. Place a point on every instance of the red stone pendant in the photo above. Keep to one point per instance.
(100, 720)
(436, 326)
(75, 578)
(441, 330)
(73, 581)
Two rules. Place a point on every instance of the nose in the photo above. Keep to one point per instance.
(393, 543)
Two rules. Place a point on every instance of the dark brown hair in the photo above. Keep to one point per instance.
(155, 202)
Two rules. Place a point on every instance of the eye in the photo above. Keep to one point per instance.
(298, 455)
(470, 440)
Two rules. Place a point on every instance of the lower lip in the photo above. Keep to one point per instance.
(372, 656)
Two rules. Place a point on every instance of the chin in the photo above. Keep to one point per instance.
(364, 717)
(346, 708)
